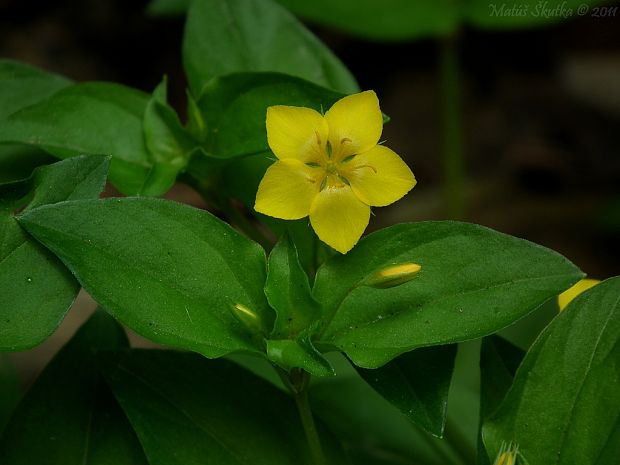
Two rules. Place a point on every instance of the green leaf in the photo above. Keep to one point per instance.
(289, 294)
(168, 143)
(69, 416)
(417, 383)
(94, 118)
(22, 85)
(18, 161)
(564, 404)
(229, 36)
(385, 20)
(370, 427)
(499, 361)
(188, 410)
(37, 290)
(170, 272)
(235, 108)
(474, 281)
(288, 291)
(298, 353)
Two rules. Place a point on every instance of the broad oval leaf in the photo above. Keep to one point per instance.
(228, 36)
(564, 404)
(188, 410)
(170, 272)
(69, 416)
(474, 281)
(94, 118)
(37, 289)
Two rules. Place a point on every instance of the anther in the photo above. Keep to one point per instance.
(318, 138)
(367, 166)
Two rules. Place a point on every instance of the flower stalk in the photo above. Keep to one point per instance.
(453, 169)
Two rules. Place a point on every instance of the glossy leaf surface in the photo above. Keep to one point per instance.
(22, 85)
(235, 108)
(474, 281)
(417, 383)
(190, 411)
(69, 416)
(170, 272)
(288, 291)
(499, 361)
(564, 404)
(229, 36)
(92, 118)
(37, 288)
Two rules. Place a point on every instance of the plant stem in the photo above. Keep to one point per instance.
(459, 442)
(453, 171)
(299, 381)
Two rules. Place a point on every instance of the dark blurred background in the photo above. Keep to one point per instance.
(540, 111)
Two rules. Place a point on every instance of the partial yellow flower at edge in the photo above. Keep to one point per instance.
(568, 295)
(331, 168)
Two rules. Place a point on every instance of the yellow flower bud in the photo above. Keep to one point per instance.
(568, 295)
(393, 275)
(247, 318)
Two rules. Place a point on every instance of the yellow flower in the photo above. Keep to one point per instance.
(331, 168)
(568, 295)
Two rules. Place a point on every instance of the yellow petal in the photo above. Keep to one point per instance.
(287, 190)
(378, 177)
(296, 132)
(338, 217)
(568, 295)
(355, 124)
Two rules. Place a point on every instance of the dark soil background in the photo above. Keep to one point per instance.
(541, 115)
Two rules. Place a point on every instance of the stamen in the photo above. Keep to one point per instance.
(344, 180)
(318, 138)
(367, 166)
(328, 148)
(345, 140)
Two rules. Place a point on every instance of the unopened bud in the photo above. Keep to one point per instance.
(247, 318)
(568, 295)
(393, 275)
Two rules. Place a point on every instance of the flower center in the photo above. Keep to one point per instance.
(331, 162)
